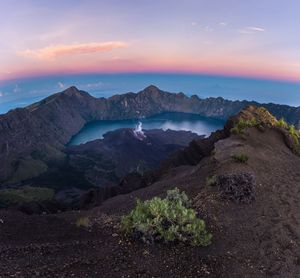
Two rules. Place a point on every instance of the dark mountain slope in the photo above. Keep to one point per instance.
(105, 162)
(101, 164)
(49, 123)
(31, 137)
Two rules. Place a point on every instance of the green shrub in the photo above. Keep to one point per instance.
(241, 158)
(291, 129)
(282, 123)
(242, 125)
(83, 222)
(211, 180)
(25, 194)
(166, 220)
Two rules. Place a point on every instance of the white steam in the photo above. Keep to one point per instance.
(138, 131)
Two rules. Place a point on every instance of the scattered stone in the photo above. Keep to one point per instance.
(146, 252)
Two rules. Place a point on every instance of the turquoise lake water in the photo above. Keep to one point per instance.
(174, 121)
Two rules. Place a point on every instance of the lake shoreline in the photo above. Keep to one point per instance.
(168, 120)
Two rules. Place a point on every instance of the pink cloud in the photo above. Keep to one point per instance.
(71, 49)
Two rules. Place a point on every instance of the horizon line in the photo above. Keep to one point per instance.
(193, 73)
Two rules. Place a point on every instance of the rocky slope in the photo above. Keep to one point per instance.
(32, 137)
(257, 238)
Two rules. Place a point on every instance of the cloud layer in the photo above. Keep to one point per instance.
(51, 52)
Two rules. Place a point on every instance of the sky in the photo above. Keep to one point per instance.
(247, 39)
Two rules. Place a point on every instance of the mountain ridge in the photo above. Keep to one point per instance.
(55, 119)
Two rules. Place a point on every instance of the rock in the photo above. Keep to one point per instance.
(260, 115)
(197, 149)
(238, 188)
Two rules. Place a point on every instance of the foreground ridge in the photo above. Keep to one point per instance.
(255, 226)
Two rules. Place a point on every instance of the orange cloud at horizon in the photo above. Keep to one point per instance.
(263, 68)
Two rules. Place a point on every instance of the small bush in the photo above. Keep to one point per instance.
(282, 123)
(211, 180)
(25, 194)
(242, 125)
(83, 222)
(166, 220)
(241, 158)
(294, 133)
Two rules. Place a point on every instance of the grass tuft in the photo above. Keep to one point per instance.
(211, 180)
(242, 125)
(83, 222)
(240, 158)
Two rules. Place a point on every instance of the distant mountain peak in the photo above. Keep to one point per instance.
(76, 93)
(71, 90)
(152, 88)
(152, 91)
